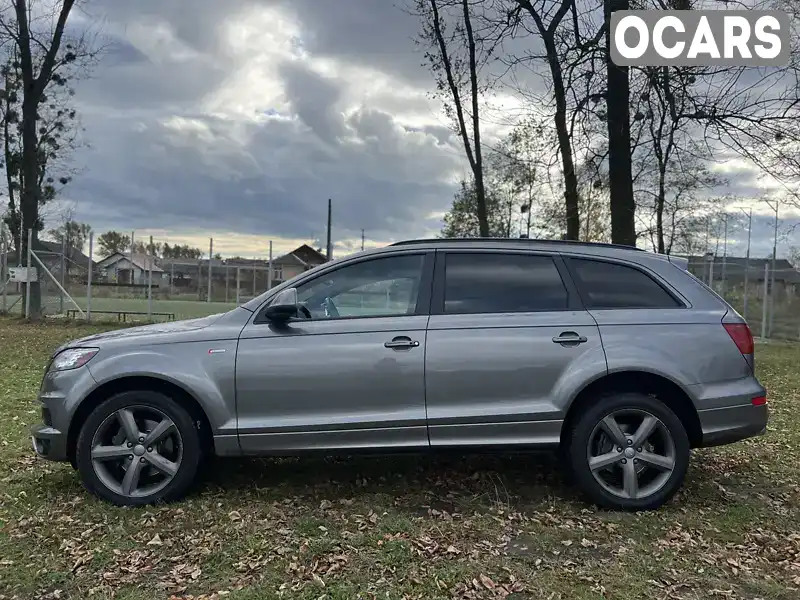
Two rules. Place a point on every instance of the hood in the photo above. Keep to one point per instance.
(144, 331)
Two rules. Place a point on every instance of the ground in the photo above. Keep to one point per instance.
(409, 527)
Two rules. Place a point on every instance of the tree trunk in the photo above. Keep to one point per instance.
(483, 218)
(472, 146)
(623, 207)
(565, 147)
(548, 35)
(29, 198)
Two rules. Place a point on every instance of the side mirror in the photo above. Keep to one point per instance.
(283, 307)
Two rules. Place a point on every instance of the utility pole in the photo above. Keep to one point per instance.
(362, 240)
(329, 252)
(210, 258)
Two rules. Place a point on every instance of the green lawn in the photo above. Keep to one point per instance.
(182, 309)
(409, 527)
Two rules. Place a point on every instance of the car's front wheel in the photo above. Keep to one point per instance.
(138, 447)
(629, 451)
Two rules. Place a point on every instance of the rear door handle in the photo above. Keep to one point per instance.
(570, 337)
(401, 343)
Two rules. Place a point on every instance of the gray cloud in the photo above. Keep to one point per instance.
(169, 152)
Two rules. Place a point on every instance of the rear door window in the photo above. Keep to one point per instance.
(479, 283)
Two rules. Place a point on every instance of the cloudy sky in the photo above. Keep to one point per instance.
(238, 119)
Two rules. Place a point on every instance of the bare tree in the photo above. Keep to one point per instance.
(37, 46)
(557, 24)
(455, 55)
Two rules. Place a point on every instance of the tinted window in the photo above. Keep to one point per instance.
(611, 285)
(373, 288)
(502, 283)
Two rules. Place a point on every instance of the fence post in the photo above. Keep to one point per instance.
(210, 258)
(150, 289)
(711, 272)
(746, 283)
(227, 283)
(238, 283)
(61, 297)
(269, 275)
(4, 263)
(254, 278)
(171, 276)
(28, 276)
(764, 304)
(89, 279)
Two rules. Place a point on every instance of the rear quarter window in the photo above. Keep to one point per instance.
(610, 285)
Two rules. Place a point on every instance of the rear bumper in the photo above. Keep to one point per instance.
(49, 443)
(726, 410)
(732, 424)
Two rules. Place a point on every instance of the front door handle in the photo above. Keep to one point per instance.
(401, 343)
(570, 337)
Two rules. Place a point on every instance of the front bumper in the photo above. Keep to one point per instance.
(59, 396)
(49, 442)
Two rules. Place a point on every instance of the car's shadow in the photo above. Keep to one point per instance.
(483, 479)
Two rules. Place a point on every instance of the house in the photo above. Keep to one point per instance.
(75, 262)
(295, 262)
(130, 269)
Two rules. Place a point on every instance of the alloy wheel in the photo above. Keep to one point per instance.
(631, 453)
(136, 451)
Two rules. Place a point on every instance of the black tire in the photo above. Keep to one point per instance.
(579, 442)
(191, 455)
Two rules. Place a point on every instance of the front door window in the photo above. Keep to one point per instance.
(381, 287)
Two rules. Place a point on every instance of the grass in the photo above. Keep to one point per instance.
(182, 309)
(401, 527)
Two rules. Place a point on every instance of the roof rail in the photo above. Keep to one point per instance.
(515, 240)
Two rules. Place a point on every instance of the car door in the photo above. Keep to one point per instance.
(351, 375)
(508, 347)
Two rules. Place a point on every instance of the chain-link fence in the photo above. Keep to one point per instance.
(140, 286)
(745, 283)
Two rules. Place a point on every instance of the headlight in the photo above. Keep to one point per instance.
(72, 358)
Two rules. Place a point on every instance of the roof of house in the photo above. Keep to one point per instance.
(47, 250)
(309, 255)
(142, 261)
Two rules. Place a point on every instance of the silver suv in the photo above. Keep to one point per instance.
(619, 359)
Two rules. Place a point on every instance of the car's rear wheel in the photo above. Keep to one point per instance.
(138, 447)
(629, 451)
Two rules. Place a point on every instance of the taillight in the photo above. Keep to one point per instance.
(741, 336)
(759, 401)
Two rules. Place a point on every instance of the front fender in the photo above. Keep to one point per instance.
(204, 370)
